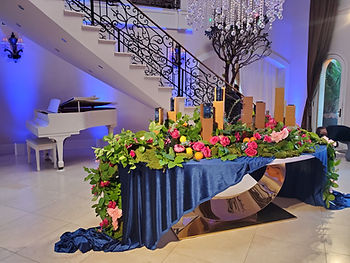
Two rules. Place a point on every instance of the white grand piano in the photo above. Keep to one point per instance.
(72, 116)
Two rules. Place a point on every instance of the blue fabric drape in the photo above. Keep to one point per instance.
(154, 200)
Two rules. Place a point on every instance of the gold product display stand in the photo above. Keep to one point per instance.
(260, 115)
(171, 115)
(290, 116)
(247, 111)
(207, 125)
(279, 105)
(219, 110)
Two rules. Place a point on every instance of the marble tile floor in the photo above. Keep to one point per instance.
(37, 207)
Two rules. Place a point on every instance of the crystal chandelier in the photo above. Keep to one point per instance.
(241, 14)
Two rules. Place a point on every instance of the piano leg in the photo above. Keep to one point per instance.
(59, 144)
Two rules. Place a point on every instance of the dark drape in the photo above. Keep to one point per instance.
(321, 26)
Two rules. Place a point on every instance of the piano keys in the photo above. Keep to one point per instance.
(70, 120)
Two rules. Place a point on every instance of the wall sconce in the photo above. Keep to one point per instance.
(13, 47)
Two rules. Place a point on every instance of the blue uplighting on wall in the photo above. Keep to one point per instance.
(189, 31)
(104, 92)
(20, 83)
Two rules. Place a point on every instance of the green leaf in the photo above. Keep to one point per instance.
(142, 149)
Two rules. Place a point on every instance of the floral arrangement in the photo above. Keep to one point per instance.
(172, 144)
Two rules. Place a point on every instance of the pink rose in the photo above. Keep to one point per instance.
(224, 141)
(112, 204)
(267, 138)
(179, 148)
(175, 133)
(253, 145)
(285, 133)
(238, 137)
(104, 223)
(271, 123)
(257, 136)
(132, 153)
(206, 152)
(250, 152)
(105, 183)
(215, 139)
(198, 146)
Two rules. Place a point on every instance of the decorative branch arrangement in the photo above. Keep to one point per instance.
(237, 47)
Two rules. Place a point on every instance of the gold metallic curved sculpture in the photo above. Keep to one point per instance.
(232, 205)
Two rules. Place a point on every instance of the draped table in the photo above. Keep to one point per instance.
(154, 200)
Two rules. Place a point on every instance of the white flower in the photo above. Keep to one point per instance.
(329, 141)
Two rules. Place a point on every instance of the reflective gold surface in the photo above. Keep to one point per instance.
(222, 212)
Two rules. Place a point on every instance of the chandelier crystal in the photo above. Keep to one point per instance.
(241, 14)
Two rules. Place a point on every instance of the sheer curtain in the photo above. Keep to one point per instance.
(260, 79)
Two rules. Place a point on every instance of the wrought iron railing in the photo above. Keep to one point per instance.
(171, 4)
(150, 45)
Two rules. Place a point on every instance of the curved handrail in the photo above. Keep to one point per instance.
(150, 45)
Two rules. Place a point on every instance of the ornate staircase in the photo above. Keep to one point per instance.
(116, 42)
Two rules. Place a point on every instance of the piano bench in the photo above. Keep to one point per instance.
(39, 144)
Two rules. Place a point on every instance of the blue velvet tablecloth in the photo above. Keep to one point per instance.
(154, 200)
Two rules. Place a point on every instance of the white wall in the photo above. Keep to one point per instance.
(340, 50)
(40, 76)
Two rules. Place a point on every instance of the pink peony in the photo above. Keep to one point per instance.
(257, 136)
(112, 204)
(179, 148)
(175, 133)
(104, 223)
(215, 139)
(224, 141)
(267, 138)
(238, 137)
(253, 145)
(115, 213)
(279, 136)
(250, 151)
(198, 146)
(206, 152)
(132, 153)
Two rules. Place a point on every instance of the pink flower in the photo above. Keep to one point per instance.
(271, 123)
(105, 183)
(279, 136)
(253, 145)
(104, 223)
(132, 153)
(257, 136)
(267, 138)
(112, 204)
(224, 141)
(150, 140)
(135, 139)
(299, 143)
(303, 136)
(250, 151)
(128, 146)
(167, 141)
(206, 152)
(179, 148)
(215, 139)
(115, 213)
(198, 146)
(238, 137)
(175, 133)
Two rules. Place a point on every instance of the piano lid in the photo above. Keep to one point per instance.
(82, 104)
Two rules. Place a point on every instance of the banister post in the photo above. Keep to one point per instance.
(178, 62)
(92, 9)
